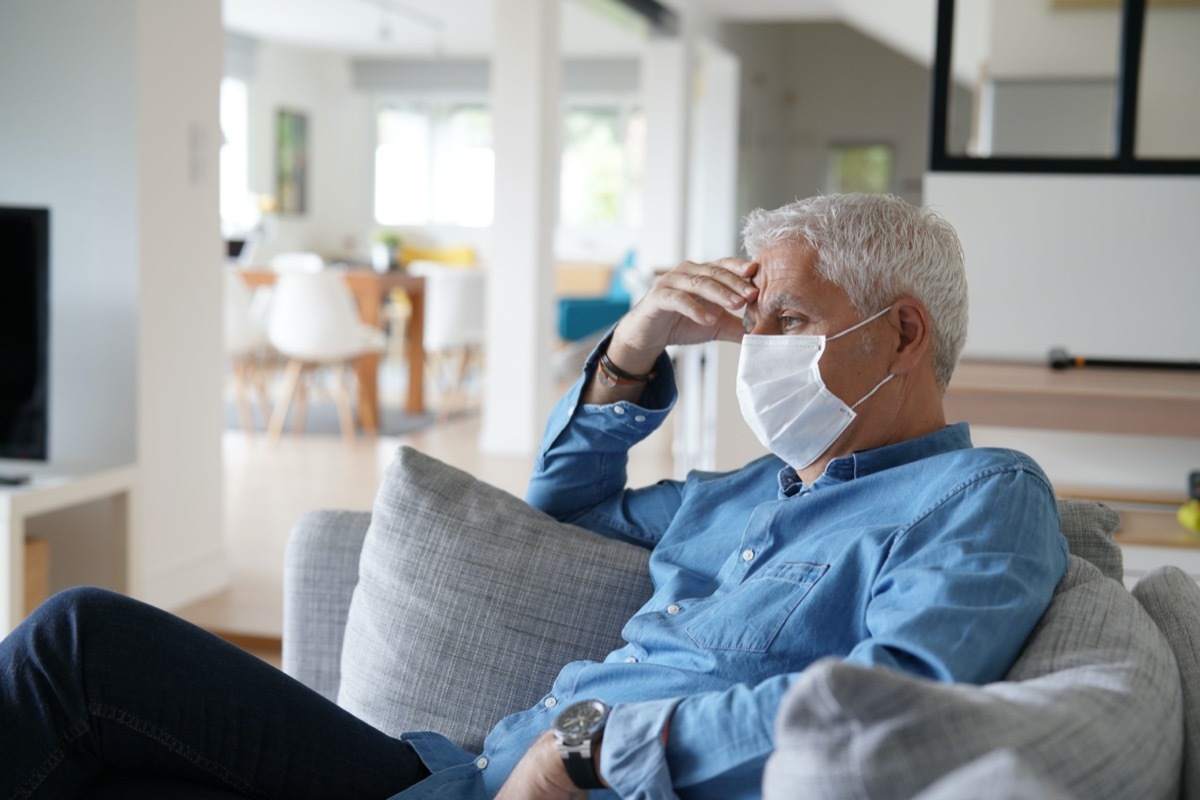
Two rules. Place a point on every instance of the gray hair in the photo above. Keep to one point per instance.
(878, 248)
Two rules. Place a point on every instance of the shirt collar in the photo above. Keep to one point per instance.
(866, 462)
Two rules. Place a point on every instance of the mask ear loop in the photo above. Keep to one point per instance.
(878, 386)
(855, 327)
(871, 318)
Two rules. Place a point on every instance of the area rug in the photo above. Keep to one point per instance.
(321, 419)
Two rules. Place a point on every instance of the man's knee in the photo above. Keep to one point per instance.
(79, 608)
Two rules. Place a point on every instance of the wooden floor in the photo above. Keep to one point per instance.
(266, 488)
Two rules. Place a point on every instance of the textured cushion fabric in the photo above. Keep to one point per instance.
(469, 602)
(1000, 775)
(1172, 599)
(1092, 705)
(320, 570)
(1089, 528)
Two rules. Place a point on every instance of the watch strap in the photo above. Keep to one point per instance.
(581, 769)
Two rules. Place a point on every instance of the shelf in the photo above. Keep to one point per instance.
(1094, 399)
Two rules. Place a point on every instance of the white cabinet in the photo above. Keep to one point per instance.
(22, 507)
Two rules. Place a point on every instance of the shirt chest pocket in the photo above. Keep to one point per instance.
(750, 617)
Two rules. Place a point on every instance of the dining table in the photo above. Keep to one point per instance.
(370, 290)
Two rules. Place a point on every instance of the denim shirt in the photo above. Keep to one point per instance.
(929, 556)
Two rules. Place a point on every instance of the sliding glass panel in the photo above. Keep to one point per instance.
(1034, 78)
(1168, 118)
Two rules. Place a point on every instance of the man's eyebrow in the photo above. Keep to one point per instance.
(776, 302)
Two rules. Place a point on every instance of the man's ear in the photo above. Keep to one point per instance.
(914, 345)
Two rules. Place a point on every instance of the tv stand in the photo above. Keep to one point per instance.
(44, 495)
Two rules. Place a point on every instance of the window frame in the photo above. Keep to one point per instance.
(1124, 162)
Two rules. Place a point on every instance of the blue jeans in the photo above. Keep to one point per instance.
(103, 696)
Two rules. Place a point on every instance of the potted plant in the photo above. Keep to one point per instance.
(385, 250)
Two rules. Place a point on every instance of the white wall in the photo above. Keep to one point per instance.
(68, 140)
(341, 142)
(807, 86)
(110, 119)
(1101, 265)
(1105, 266)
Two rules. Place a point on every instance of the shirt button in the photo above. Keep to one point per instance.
(618, 409)
(673, 609)
(481, 762)
(630, 660)
(550, 702)
(640, 418)
(747, 554)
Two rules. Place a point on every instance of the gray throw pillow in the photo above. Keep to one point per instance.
(469, 602)
(1172, 599)
(1089, 527)
(1092, 706)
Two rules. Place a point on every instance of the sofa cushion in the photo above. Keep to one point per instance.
(1092, 706)
(1089, 527)
(1172, 599)
(469, 602)
(999, 775)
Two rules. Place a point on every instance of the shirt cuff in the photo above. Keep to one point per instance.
(633, 757)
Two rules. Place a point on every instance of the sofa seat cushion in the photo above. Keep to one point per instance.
(1172, 599)
(469, 602)
(1091, 707)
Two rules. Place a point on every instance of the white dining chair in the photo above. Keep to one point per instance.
(246, 347)
(297, 262)
(314, 323)
(454, 326)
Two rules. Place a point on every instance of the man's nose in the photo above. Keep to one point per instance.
(762, 327)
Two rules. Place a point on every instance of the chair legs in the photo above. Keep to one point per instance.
(249, 373)
(291, 377)
(451, 390)
(293, 390)
(342, 397)
(240, 398)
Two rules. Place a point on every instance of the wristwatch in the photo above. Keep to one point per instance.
(578, 730)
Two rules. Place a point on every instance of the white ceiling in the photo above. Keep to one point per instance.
(421, 28)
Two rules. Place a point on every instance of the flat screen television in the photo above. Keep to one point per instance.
(24, 333)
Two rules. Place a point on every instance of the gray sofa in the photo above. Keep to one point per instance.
(434, 612)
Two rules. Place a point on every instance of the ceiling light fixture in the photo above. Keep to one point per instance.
(409, 14)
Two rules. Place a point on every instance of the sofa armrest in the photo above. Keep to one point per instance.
(320, 572)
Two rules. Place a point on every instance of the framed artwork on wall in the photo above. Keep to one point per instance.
(291, 162)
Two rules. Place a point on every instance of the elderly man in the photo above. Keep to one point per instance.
(873, 532)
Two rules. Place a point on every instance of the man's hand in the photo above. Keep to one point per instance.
(540, 775)
(691, 304)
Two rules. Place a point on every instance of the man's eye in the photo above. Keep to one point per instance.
(787, 323)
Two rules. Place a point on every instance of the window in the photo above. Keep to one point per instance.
(434, 165)
(859, 168)
(1067, 86)
(238, 209)
(602, 164)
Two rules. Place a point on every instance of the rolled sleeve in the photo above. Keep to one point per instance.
(633, 760)
(580, 473)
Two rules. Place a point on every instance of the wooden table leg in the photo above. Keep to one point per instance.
(370, 297)
(415, 349)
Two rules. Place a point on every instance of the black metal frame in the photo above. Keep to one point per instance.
(1124, 162)
(662, 20)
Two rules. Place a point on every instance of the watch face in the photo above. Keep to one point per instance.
(580, 718)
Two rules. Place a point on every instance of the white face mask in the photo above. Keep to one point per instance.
(784, 399)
